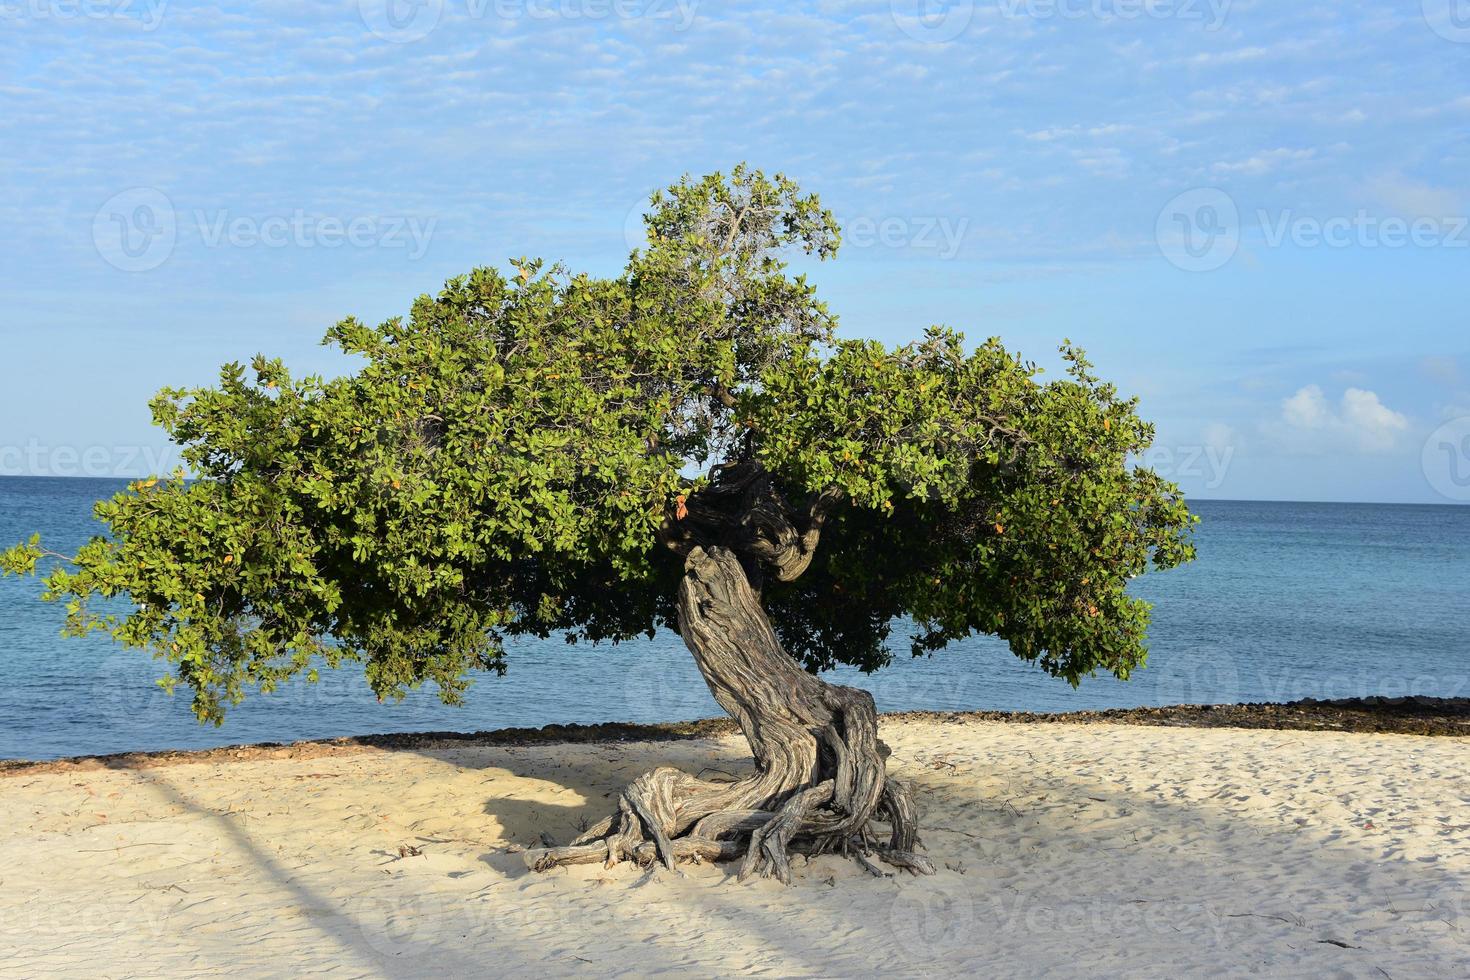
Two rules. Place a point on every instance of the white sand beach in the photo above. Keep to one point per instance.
(1063, 850)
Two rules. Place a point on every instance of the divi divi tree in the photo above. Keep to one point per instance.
(688, 445)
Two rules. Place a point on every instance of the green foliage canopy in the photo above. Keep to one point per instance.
(503, 461)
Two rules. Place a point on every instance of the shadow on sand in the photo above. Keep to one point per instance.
(1024, 866)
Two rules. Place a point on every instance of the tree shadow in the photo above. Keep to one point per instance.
(332, 923)
(595, 774)
(1322, 896)
(1054, 863)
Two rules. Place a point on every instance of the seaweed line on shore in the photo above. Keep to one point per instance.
(1440, 717)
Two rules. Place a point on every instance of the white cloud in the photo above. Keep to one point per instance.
(1307, 409)
(1360, 421)
(1375, 424)
(1106, 161)
(1265, 162)
(1229, 57)
(1219, 435)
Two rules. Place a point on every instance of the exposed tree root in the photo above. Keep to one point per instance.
(763, 839)
(821, 782)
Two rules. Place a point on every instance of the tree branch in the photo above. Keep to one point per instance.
(743, 510)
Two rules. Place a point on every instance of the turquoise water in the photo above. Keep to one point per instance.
(1286, 601)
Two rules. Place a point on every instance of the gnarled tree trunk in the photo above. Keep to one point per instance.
(821, 781)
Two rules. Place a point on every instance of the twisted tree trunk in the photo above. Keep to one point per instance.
(821, 781)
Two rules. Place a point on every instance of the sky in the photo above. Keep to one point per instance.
(1252, 215)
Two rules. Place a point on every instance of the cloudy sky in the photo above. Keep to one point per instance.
(1251, 214)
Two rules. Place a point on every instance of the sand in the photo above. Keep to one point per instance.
(1087, 849)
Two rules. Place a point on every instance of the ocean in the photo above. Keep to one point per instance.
(1286, 601)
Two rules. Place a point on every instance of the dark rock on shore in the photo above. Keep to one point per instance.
(1447, 717)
